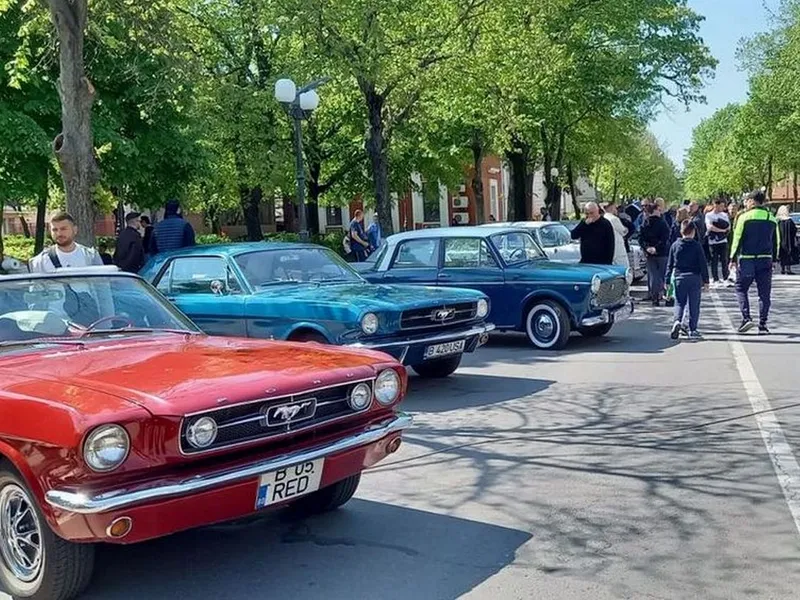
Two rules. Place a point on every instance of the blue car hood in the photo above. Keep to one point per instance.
(370, 297)
(568, 272)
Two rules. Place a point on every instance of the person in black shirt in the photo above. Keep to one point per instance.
(596, 235)
(654, 239)
(687, 264)
(129, 254)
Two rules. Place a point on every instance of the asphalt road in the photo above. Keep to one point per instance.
(626, 467)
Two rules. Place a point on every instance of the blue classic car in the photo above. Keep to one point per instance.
(545, 299)
(303, 292)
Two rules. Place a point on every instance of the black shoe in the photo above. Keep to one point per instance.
(763, 330)
(677, 328)
(656, 303)
(746, 326)
(670, 303)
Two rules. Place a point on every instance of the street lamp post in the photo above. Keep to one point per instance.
(299, 104)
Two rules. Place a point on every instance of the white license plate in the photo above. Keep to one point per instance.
(445, 349)
(289, 483)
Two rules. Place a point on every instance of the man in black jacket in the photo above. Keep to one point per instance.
(654, 239)
(129, 254)
(596, 235)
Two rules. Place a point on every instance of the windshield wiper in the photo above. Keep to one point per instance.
(41, 342)
(136, 330)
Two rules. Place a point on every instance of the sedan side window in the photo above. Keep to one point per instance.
(467, 253)
(201, 275)
(417, 254)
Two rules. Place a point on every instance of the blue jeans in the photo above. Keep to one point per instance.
(760, 271)
(687, 292)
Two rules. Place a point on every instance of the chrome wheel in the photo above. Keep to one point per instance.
(545, 326)
(20, 534)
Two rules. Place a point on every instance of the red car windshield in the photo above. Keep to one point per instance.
(41, 309)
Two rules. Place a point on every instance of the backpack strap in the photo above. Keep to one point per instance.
(53, 255)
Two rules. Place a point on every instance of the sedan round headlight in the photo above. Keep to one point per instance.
(483, 308)
(106, 448)
(360, 397)
(629, 275)
(202, 432)
(369, 323)
(387, 387)
(596, 282)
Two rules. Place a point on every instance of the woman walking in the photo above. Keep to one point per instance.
(788, 231)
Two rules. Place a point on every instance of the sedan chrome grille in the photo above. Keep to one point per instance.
(438, 316)
(273, 417)
(612, 292)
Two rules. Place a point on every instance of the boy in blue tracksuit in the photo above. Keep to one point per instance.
(687, 263)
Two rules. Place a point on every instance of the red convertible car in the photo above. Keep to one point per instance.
(121, 422)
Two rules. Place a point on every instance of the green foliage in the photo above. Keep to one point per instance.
(18, 247)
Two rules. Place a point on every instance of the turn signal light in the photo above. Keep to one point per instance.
(120, 527)
(394, 445)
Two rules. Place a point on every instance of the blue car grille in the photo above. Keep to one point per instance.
(612, 292)
(249, 421)
(439, 316)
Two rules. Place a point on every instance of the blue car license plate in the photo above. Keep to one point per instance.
(446, 349)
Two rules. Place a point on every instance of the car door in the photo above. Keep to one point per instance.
(207, 291)
(414, 261)
(470, 263)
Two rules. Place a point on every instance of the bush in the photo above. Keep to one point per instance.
(19, 247)
(332, 240)
(208, 239)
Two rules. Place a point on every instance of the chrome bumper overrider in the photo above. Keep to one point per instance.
(610, 315)
(79, 502)
(442, 337)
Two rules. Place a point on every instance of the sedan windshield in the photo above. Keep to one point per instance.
(295, 265)
(40, 309)
(517, 247)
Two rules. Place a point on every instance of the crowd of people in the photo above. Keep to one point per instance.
(692, 247)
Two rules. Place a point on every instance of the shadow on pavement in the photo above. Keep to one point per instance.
(365, 550)
(461, 391)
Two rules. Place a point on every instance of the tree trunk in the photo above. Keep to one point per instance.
(519, 208)
(477, 179)
(26, 229)
(615, 189)
(314, 193)
(74, 147)
(769, 179)
(794, 189)
(377, 152)
(573, 191)
(289, 215)
(250, 199)
(2, 210)
(41, 215)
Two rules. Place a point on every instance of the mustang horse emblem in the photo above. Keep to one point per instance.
(287, 412)
(444, 314)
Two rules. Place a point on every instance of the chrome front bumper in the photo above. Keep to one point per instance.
(612, 315)
(79, 502)
(460, 334)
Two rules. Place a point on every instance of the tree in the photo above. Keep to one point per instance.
(394, 52)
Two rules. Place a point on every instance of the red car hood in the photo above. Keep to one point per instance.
(172, 376)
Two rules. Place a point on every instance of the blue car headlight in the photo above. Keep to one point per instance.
(596, 283)
(369, 323)
(483, 308)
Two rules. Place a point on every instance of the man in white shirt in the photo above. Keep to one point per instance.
(620, 231)
(718, 225)
(66, 253)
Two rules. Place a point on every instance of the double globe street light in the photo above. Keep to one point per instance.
(299, 104)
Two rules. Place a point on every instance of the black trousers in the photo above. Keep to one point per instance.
(758, 270)
(719, 254)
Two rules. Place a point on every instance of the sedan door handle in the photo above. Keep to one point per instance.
(443, 276)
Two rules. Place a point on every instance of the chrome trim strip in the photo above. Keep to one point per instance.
(624, 311)
(79, 502)
(480, 329)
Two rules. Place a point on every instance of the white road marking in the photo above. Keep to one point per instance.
(783, 460)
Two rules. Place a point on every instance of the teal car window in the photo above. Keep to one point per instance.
(467, 253)
(200, 275)
(295, 265)
(417, 254)
(552, 236)
(517, 247)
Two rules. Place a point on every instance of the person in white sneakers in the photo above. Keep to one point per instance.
(620, 231)
(66, 253)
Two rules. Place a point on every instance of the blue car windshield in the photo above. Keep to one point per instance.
(517, 247)
(295, 265)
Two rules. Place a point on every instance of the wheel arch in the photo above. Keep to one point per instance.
(12, 459)
(301, 328)
(540, 295)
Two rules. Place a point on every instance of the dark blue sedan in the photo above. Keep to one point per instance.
(545, 299)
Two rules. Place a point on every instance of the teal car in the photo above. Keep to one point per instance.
(307, 293)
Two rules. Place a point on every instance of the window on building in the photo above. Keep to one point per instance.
(494, 194)
(333, 216)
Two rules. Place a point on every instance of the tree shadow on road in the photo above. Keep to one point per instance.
(365, 550)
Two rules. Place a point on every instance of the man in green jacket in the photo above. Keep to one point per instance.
(756, 240)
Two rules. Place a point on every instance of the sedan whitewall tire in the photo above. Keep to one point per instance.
(547, 325)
